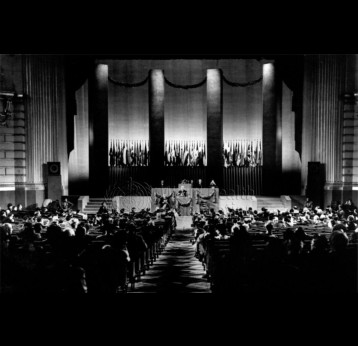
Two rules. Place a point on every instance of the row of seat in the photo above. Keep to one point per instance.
(137, 266)
(220, 251)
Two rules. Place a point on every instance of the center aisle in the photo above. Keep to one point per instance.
(176, 270)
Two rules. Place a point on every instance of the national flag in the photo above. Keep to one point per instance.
(242, 153)
(120, 146)
(186, 155)
(129, 158)
(124, 153)
(238, 158)
(234, 155)
(118, 154)
(165, 153)
(259, 159)
(204, 155)
(110, 155)
(140, 154)
(148, 155)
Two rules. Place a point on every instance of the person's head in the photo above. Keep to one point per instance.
(37, 228)
(338, 241)
(350, 218)
(288, 234)
(28, 234)
(339, 227)
(6, 231)
(53, 233)
(300, 234)
(319, 243)
(269, 228)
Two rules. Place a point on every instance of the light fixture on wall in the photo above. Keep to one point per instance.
(8, 107)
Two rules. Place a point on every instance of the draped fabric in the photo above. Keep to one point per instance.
(184, 206)
(205, 199)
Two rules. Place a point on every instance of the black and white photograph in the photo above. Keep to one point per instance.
(128, 173)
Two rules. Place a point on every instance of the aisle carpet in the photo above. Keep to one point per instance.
(176, 270)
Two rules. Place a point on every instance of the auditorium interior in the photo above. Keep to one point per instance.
(137, 173)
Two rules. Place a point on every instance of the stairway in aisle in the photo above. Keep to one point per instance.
(272, 203)
(95, 203)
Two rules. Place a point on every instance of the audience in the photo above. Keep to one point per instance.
(54, 249)
(311, 248)
(58, 250)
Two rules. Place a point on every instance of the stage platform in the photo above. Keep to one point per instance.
(272, 203)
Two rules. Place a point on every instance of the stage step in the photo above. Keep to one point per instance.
(95, 203)
(270, 203)
(298, 200)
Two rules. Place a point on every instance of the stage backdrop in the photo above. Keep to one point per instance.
(185, 109)
(242, 106)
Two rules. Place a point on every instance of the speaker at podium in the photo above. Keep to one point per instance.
(54, 181)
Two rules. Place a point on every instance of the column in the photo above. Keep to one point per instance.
(45, 124)
(272, 130)
(156, 124)
(323, 117)
(214, 126)
(98, 130)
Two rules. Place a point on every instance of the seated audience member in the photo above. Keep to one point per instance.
(5, 218)
(351, 225)
(342, 264)
(66, 205)
(338, 240)
(308, 204)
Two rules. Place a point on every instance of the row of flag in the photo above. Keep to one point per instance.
(185, 153)
(242, 152)
(128, 153)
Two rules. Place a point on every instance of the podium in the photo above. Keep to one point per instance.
(187, 187)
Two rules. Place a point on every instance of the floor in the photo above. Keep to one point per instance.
(176, 270)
